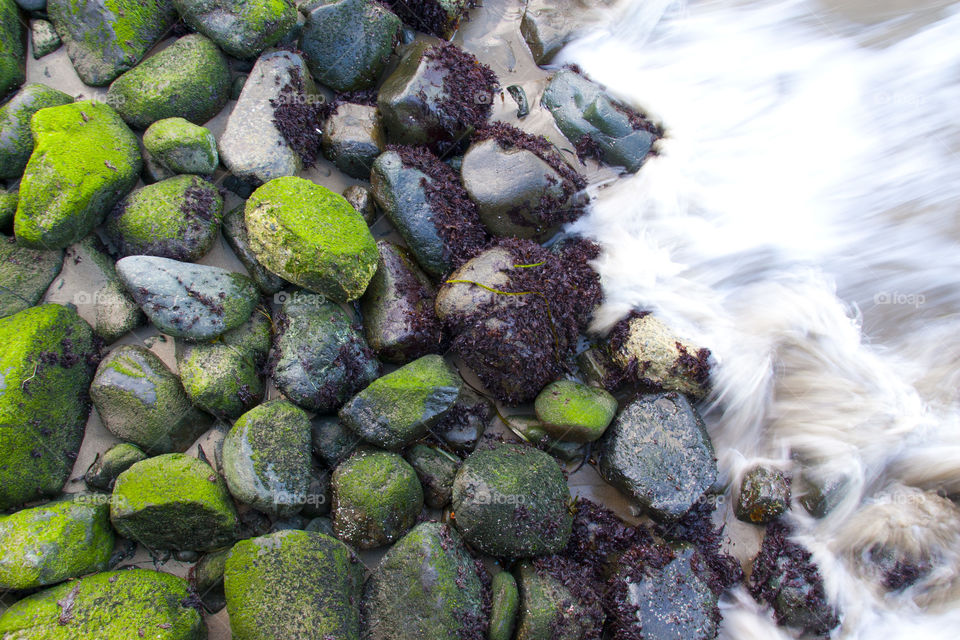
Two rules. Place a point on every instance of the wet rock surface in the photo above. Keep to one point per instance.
(12, 51)
(353, 138)
(106, 468)
(24, 275)
(234, 228)
(181, 146)
(16, 140)
(436, 470)
(764, 495)
(572, 411)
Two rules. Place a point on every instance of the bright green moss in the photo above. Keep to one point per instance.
(574, 411)
(8, 208)
(16, 140)
(242, 28)
(181, 146)
(12, 53)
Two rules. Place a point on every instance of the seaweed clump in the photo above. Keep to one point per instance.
(468, 86)
(299, 117)
(427, 16)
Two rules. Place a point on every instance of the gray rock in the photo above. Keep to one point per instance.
(320, 525)
(824, 490)
(764, 495)
(242, 28)
(462, 427)
(44, 38)
(24, 275)
(548, 25)
(107, 467)
(16, 140)
(548, 610)
(459, 305)
(505, 604)
(532, 430)
(182, 147)
(234, 228)
(436, 470)
(361, 199)
(319, 494)
(32, 5)
(353, 138)
(332, 442)
(12, 50)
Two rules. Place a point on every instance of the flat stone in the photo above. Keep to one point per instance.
(575, 412)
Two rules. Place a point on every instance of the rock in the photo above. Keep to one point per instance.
(47, 364)
(435, 94)
(506, 601)
(12, 50)
(190, 301)
(764, 495)
(178, 218)
(234, 229)
(596, 124)
(89, 282)
(353, 137)
(348, 43)
(254, 146)
(51, 543)
(223, 377)
(425, 588)
(237, 87)
(423, 199)
(399, 408)
(113, 605)
(242, 28)
(182, 147)
(436, 470)
(43, 38)
(106, 468)
(512, 501)
(105, 41)
(825, 490)
(320, 525)
(575, 412)
(290, 523)
(189, 79)
(174, 502)
(16, 142)
(319, 494)
(361, 199)
(658, 452)
(376, 498)
(293, 584)
(399, 319)
(476, 284)
(206, 579)
(440, 18)
(595, 367)
(266, 458)
(24, 275)
(141, 401)
(548, 25)
(331, 442)
(312, 237)
(320, 358)
(8, 208)
(462, 427)
(72, 178)
(32, 5)
(532, 430)
(522, 186)
(549, 609)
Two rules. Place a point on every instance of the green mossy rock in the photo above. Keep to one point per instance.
(44, 38)
(141, 401)
(84, 161)
(332, 442)
(234, 229)
(266, 458)
(104, 42)
(425, 588)
(575, 412)
(530, 429)
(189, 79)
(436, 470)
(399, 408)
(547, 609)
(116, 605)
(312, 237)
(223, 377)
(181, 146)
(206, 578)
(242, 28)
(8, 208)
(24, 275)
(764, 495)
(353, 138)
(51, 543)
(12, 51)
(506, 602)
(45, 371)
(377, 498)
(512, 501)
(106, 468)
(174, 502)
(16, 139)
(293, 584)
(348, 43)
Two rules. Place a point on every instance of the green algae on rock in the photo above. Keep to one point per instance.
(181, 146)
(206, 578)
(44, 39)
(115, 605)
(574, 411)
(16, 139)
(173, 502)
(46, 367)
(549, 610)
(189, 79)
(53, 542)
(293, 584)
(107, 467)
(12, 51)
(312, 237)
(24, 275)
(234, 229)
(505, 602)
(8, 208)
(436, 470)
(85, 159)
(242, 28)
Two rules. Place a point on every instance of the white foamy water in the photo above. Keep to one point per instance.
(801, 220)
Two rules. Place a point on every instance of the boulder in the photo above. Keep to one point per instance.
(242, 28)
(462, 427)
(234, 229)
(353, 138)
(107, 467)
(24, 275)
(16, 143)
(12, 50)
(181, 146)
(575, 412)
(505, 604)
(436, 469)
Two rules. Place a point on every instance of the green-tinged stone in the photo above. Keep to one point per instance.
(459, 303)
(361, 199)
(332, 442)
(84, 161)
(573, 411)
(293, 584)
(234, 229)
(436, 470)
(44, 38)
(463, 426)
(764, 495)
(175, 502)
(376, 498)
(242, 28)
(206, 578)
(353, 138)
(51, 543)
(312, 237)
(46, 366)
(512, 501)
(403, 405)
(181, 146)
(506, 599)
(530, 429)
(107, 467)
(595, 366)
(548, 25)
(16, 139)
(548, 610)
(115, 605)
(12, 51)
(141, 401)
(24, 275)
(8, 208)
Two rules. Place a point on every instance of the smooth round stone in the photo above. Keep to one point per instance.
(764, 495)
(353, 138)
(506, 600)
(182, 147)
(107, 467)
(242, 28)
(575, 412)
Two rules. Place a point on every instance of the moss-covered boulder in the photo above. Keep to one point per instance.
(181, 146)
(141, 401)
(206, 578)
(532, 430)
(436, 469)
(113, 605)
(764, 495)
(107, 467)
(223, 377)
(8, 208)
(399, 408)
(189, 79)
(377, 498)
(266, 458)
(353, 138)
(12, 51)
(54, 542)
(505, 601)
(312, 237)
(44, 38)
(462, 427)
(550, 610)
(46, 367)
(24, 275)
(16, 139)
(242, 28)
(190, 301)
(85, 159)
(332, 443)
(573, 411)
(293, 584)
(175, 502)
(425, 588)
(348, 43)
(512, 501)
(320, 357)
(234, 228)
